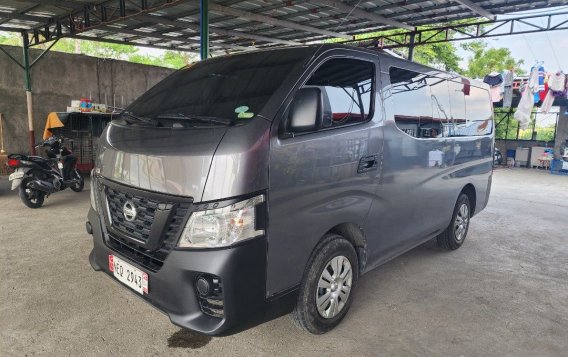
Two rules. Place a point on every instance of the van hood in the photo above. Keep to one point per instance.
(170, 161)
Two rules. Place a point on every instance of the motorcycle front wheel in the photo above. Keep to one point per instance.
(30, 197)
(78, 187)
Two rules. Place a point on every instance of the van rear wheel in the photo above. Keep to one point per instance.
(326, 291)
(453, 237)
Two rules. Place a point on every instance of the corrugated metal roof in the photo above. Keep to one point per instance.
(237, 24)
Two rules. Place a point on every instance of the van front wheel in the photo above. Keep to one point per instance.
(326, 292)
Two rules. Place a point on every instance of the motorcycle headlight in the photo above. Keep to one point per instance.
(92, 187)
(222, 227)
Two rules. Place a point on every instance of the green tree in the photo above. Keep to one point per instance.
(10, 38)
(178, 59)
(170, 59)
(108, 50)
(485, 60)
(440, 55)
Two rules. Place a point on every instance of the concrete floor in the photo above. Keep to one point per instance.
(505, 292)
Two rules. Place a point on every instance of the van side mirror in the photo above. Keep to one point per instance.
(306, 110)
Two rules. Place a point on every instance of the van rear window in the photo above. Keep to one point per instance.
(424, 105)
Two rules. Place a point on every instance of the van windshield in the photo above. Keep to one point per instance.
(230, 88)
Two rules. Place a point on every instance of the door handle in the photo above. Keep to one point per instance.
(368, 163)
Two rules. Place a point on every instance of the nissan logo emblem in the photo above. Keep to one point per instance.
(129, 211)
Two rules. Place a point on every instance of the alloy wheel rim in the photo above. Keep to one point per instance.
(461, 222)
(334, 287)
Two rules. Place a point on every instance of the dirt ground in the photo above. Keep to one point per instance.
(504, 293)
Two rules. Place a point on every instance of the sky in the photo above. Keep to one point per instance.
(550, 47)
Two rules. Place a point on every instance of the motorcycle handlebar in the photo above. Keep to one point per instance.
(59, 138)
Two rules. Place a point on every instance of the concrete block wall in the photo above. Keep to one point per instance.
(559, 144)
(59, 78)
(504, 145)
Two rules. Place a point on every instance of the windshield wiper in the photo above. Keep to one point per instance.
(200, 118)
(130, 116)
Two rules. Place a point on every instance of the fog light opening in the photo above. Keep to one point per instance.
(209, 290)
(203, 286)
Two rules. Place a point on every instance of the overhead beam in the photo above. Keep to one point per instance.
(91, 17)
(477, 9)
(467, 31)
(219, 31)
(360, 13)
(120, 42)
(183, 39)
(192, 48)
(181, 25)
(224, 10)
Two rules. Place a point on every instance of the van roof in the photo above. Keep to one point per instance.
(321, 48)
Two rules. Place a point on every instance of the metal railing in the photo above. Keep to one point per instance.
(507, 127)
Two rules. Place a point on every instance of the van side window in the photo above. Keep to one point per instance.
(457, 104)
(347, 89)
(441, 105)
(412, 103)
(478, 113)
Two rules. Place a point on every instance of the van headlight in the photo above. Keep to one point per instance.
(92, 186)
(222, 227)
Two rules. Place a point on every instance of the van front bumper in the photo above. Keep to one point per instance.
(172, 289)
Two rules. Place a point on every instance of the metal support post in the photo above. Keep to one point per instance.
(411, 46)
(28, 88)
(204, 29)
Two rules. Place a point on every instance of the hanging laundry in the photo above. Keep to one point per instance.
(524, 110)
(547, 103)
(543, 90)
(508, 79)
(540, 87)
(494, 80)
(466, 86)
(556, 89)
(557, 84)
(544, 95)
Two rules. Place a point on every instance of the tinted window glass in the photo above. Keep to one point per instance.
(479, 112)
(347, 89)
(413, 104)
(223, 87)
(457, 101)
(425, 106)
(441, 106)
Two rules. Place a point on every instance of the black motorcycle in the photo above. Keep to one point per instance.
(497, 158)
(38, 177)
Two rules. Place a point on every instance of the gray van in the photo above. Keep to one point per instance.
(249, 186)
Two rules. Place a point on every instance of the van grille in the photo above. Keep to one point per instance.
(139, 228)
(117, 238)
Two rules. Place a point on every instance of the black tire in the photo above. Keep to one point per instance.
(306, 315)
(78, 187)
(451, 239)
(31, 198)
